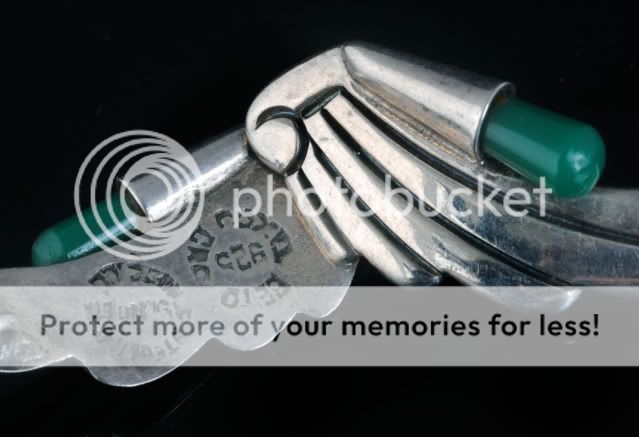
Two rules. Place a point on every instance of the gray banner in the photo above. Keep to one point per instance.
(209, 326)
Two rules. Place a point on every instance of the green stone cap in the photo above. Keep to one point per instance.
(67, 240)
(539, 143)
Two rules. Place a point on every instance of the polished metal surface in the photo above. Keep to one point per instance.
(367, 112)
(272, 251)
(338, 124)
(217, 161)
(214, 253)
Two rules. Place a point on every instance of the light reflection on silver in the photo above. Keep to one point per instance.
(366, 110)
(217, 160)
(369, 111)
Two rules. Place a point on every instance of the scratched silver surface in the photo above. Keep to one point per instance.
(273, 251)
(359, 112)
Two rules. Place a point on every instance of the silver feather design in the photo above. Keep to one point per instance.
(358, 113)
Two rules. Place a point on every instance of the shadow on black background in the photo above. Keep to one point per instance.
(74, 75)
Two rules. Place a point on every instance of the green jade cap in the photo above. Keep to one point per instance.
(67, 240)
(539, 143)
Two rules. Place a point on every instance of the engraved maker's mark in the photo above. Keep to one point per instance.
(123, 273)
(147, 308)
(258, 241)
(199, 249)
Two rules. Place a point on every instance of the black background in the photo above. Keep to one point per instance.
(74, 74)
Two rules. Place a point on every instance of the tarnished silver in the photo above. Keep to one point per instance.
(359, 113)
